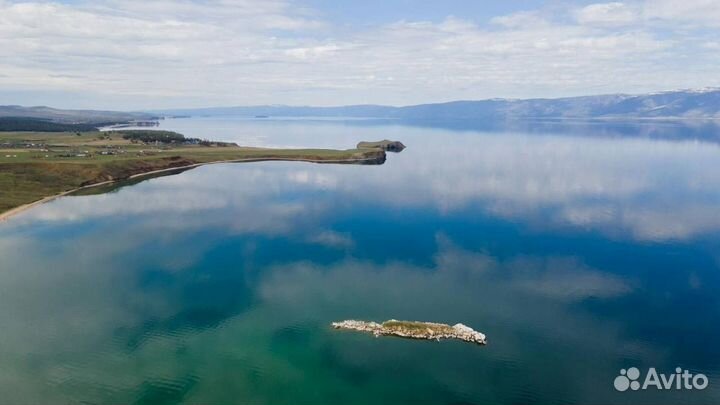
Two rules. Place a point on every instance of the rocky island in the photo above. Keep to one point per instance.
(415, 330)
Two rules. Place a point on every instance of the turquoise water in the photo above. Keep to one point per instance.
(578, 249)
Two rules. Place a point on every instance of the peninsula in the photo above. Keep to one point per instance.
(415, 330)
(36, 167)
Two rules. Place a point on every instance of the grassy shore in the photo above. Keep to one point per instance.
(36, 165)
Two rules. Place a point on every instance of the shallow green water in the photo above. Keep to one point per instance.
(578, 251)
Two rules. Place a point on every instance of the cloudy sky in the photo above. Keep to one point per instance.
(135, 54)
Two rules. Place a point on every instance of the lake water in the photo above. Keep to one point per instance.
(579, 249)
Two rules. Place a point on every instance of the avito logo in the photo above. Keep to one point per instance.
(680, 380)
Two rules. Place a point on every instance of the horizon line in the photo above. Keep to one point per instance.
(707, 89)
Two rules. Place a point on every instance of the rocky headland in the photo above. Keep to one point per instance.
(386, 145)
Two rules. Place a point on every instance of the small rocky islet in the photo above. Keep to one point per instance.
(415, 330)
(386, 145)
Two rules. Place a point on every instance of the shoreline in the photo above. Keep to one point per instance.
(5, 216)
(22, 208)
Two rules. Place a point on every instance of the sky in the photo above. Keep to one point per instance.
(139, 54)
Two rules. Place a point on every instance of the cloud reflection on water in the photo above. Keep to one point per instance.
(105, 318)
(644, 189)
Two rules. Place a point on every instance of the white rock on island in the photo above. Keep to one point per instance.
(415, 330)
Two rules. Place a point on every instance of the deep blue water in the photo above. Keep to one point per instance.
(579, 249)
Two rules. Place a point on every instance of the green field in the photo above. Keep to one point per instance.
(412, 327)
(34, 165)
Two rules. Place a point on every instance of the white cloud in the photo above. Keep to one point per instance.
(522, 19)
(692, 12)
(611, 14)
(165, 53)
(313, 52)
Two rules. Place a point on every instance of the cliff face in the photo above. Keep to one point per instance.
(374, 157)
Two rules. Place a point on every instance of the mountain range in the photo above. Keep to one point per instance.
(681, 104)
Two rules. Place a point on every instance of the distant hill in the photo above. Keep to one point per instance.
(70, 116)
(685, 104)
(14, 124)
